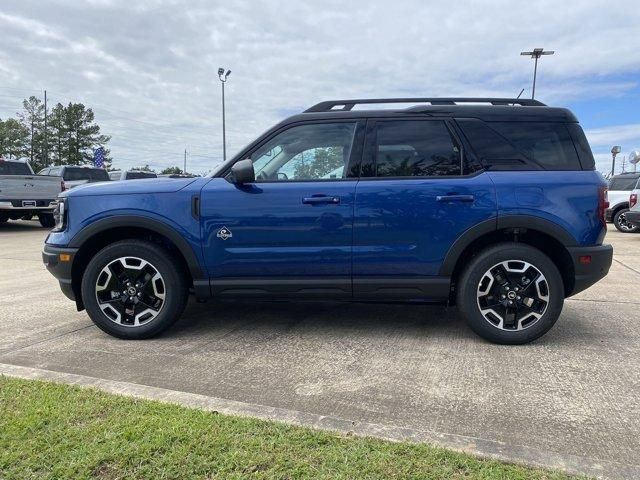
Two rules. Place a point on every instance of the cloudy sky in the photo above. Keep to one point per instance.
(148, 68)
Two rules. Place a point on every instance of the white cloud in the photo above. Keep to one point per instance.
(148, 68)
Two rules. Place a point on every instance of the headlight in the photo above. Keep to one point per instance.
(60, 215)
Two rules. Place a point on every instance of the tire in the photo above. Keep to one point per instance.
(621, 224)
(4, 219)
(47, 220)
(477, 293)
(163, 298)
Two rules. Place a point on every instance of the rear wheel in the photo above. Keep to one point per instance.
(620, 221)
(511, 294)
(133, 289)
(47, 220)
(4, 218)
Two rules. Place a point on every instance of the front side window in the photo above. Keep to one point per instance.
(318, 151)
(415, 149)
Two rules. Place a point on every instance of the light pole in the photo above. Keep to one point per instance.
(614, 151)
(536, 54)
(223, 79)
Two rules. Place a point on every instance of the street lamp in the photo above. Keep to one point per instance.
(614, 151)
(223, 79)
(536, 54)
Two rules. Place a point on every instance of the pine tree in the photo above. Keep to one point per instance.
(14, 139)
(32, 118)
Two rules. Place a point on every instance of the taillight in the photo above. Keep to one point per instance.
(63, 187)
(603, 204)
(633, 199)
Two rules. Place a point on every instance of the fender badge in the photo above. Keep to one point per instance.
(224, 233)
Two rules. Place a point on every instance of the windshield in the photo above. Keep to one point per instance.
(80, 173)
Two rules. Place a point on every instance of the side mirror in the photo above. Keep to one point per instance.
(242, 172)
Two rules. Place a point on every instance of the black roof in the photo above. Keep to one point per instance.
(489, 109)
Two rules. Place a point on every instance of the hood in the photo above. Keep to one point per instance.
(129, 187)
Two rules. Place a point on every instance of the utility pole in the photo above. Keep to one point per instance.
(184, 170)
(536, 54)
(223, 79)
(46, 133)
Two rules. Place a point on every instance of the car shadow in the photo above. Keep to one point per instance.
(217, 319)
(21, 226)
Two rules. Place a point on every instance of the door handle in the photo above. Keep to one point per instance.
(321, 199)
(455, 198)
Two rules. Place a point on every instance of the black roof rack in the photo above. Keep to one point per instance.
(347, 105)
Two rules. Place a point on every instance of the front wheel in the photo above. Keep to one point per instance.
(132, 289)
(511, 294)
(620, 222)
(47, 220)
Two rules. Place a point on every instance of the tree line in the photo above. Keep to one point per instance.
(69, 137)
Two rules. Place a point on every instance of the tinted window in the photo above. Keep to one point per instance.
(415, 149)
(135, 175)
(547, 144)
(582, 146)
(624, 183)
(93, 174)
(493, 150)
(307, 152)
(14, 168)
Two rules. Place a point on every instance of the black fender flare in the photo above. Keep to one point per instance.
(492, 225)
(200, 281)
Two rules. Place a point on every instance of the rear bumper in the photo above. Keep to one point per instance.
(60, 269)
(590, 264)
(633, 217)
(26, 205)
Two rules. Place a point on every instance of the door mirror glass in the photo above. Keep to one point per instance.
(242, 172)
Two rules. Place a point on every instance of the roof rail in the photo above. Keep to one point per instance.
(347, 105)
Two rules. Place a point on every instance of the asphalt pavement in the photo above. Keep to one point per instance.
(570, 400)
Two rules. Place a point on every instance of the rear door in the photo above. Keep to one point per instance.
(418, 193)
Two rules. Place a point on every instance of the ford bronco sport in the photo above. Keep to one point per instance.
(491, 204)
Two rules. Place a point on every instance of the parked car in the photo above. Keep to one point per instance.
(23, 194)
(496, 208)
(620, 187)
(118, 175)
(633, 215)
(76, 175)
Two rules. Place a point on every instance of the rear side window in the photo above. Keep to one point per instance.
(416, 149)
(14, 168)
(547, 144)
(523, 145)
(626, 183)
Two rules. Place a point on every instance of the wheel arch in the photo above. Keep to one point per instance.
(104, 232)
(548, 237)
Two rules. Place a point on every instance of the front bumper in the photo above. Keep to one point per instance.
(590, 265)
(633, 217)
(59, 261)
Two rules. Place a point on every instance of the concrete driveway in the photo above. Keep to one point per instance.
(570, 400)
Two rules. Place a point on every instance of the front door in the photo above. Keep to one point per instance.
(417, 195)
(290, 233)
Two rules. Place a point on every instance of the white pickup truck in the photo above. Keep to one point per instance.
(24, 194)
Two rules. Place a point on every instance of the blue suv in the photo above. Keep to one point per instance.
(490, 204)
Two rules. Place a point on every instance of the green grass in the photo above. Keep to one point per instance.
(57, 431)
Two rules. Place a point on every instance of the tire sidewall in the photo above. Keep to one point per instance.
(467, 293)
(616, 222)
(175, 297)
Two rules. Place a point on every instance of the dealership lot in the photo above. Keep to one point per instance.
(568, 400)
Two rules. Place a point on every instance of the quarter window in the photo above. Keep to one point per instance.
(319, 151)
(415, 149)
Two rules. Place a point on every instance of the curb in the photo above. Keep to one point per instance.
(517, 454)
